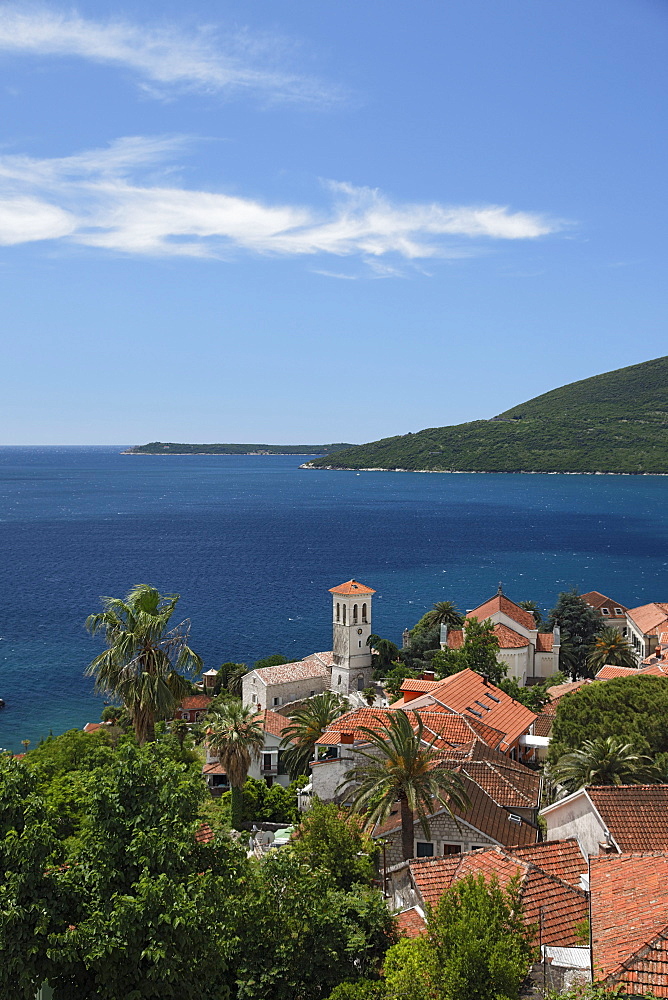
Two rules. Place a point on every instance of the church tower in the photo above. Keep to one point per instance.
(351, 624)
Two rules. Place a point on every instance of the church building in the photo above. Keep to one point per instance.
(344, 670)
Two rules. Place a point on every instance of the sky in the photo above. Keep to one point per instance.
(290, 221)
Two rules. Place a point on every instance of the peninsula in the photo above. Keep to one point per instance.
(171, 448)
(612, 423)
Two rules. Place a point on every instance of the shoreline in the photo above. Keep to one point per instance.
(479, 472)
(219, 454)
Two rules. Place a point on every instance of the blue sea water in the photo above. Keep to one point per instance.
(252, 543)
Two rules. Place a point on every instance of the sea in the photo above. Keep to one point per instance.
(253, 544)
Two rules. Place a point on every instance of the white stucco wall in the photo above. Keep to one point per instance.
(287, 692)
(576, 817)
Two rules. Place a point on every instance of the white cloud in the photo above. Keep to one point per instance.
(163, 56)
(97, 199)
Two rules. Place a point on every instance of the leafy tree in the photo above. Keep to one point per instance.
(29, 906)
(608, 761)
(143, 657)
(610, 646)
(442, 613)
(423, 645)
(478, 652)
(534, 697)
(395, 677)
(402, 765)
(262, 804)
(579, 624)
(301, 937)
(236, 738)
(632, 708)
(478, 947)
(363, 989)
(230, 678)
(385, 652)
(275, 660)
(332, 839)
(307, 724)
(369, 695)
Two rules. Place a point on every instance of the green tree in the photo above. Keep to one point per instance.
(363, 989)
(534, 697)
(402, 765)
(143, 657)
(237, 739)
(478, 652)
(442, 613)
(385, 652)
(302, 937)
(608, 761)
(634, 708)
(275, 660)
(332, 839)
(230, 678)
(535, 611)
(306, 725)
(29, 904)
(610, 646)
(579, 624)
(478, 947)
(395, 677)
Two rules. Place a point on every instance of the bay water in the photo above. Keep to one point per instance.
(252, 543)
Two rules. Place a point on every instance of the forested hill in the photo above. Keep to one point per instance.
(171, 448)
(615, 422)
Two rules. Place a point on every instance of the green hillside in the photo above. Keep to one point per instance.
(615, 422)
(172, 448)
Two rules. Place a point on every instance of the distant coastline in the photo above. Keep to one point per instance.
(181, 448)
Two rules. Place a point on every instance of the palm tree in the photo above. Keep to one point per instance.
(237, 739)
(442, 613)
(307, 724)
(532, 607)
(611, 647)
(235, 680)
(401, 765)
(607, 761)
(144, 656)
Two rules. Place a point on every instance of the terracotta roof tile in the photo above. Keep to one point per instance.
(544, 642)
(597, 601)
(469, 694)
(609, 672)
(92, 727)
(204, 834)
(508, 638)
(215, 768)
(501, 603)
(543, 724)
(563, 904)
(271, 722)
(411, 923)
(452, 730)
(350, 588)
(635, 815)
(195, 701)
(629, 914)
(299, 670)
(417, 684)
(561, 858)
(651, 619)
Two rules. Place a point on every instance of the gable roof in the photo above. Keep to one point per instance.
(597, 601)
(271, 722)
(563, 905)
(469, 694)
(503, 604)
(300, 670)
(635, 815)
(629, 914)
(411, 922)
(651, 619)
(452, 730)
(610, 671)
(195, 701)
(561, 858)
(351, 588)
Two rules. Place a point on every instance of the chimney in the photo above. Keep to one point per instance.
(428, 675)
(348, 738)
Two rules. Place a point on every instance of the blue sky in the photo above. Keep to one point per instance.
(315, 221)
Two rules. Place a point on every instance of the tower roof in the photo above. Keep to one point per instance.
(350, 588)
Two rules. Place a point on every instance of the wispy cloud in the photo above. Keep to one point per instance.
(98, 199)
(164, 56)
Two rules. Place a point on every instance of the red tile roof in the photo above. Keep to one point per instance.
(651, 619)
(561, 858)
(508, 638)
(635, 815)
(271, 722)
(204, 834)
(350, 588)
(629, 914)
(411, 923)
(563, 904)
(215, 768)
(416, 684)
(92, 727)
(469, 694)
(597, 601)
(195, 701)
(609, 672)
(544, 642)
(501, 603)
(451, 730)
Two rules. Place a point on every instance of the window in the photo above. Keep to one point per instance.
(344, 614)
(618, 611)
(452, 848)
(254, 698)
(424, 850)
(338, 612)
(266, 761)
(488, 695)
(364, 613)
(339, 680)
(605, 611)
(355, 613)
(478, 847)
(311, 694)
(277, 701)
(360, 644)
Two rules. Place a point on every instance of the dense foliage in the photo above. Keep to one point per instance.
(336, 841)
(579, 625)
(608, 761)
(478, 652)
(633, 708)
(172, 448)
(615, 422)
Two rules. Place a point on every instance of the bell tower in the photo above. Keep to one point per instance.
(351, 625)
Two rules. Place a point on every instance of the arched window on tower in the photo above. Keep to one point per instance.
(364, 614)
(344, 614)
(355, 614)
(338, 612)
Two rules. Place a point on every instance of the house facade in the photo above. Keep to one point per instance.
(193, 708)
(611, 818)
(612, 612)
(268, 766)
(644, 626)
